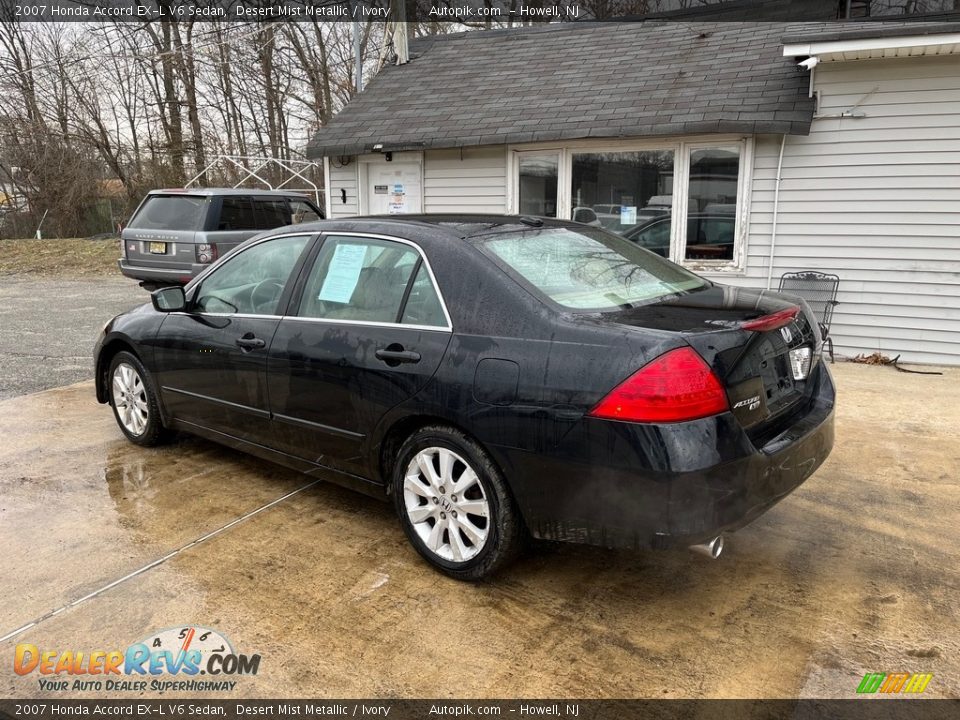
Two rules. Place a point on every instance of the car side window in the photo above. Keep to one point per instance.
(252, 281)
(236, 213)
(656, 237)
(271, 213)
(423, 304)
(365, 280)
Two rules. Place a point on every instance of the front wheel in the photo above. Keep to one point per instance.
(454, 504)
(134, 401)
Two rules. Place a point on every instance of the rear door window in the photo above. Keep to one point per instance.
(170, 212)
(271, 213)
(423, 304)
(358, 279)
(371, 280)
(236, 213)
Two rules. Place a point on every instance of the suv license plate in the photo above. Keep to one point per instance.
(158, 248)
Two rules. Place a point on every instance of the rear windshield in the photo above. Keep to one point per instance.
(170, 212)
(589, 269)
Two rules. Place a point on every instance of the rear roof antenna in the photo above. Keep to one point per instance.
(531, 221)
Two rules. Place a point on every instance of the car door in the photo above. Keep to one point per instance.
(367, 331)
(212, 360)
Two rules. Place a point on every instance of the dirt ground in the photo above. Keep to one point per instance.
(70, 257)
(855, 572)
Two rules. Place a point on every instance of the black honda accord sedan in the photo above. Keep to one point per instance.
(495, 375)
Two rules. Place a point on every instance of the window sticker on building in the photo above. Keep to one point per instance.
(398, 203)
(628, 215)
(380, 189)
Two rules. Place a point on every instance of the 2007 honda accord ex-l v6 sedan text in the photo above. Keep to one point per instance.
(495, 375)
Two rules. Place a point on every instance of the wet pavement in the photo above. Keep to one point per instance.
(855, 572)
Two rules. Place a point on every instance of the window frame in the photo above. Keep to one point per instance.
(563, 199)
(297, 298)
(681, 147)
(678, 241)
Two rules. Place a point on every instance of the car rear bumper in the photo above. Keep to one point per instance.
(174, 276)
(641, 486)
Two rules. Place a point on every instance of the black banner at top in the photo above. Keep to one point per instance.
(497, 12)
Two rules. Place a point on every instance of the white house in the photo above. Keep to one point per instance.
(851, 167)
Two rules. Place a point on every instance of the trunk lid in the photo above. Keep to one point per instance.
(755, 366)
(162, 232)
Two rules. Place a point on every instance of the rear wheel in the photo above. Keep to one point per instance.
(454, 505)
(134, 401)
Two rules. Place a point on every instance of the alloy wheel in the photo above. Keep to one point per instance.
(130, 398)
(446, 504)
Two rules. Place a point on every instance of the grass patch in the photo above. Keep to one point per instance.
(72, 257)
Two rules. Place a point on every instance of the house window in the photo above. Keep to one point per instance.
(537, 183)
(712, 183)
(644, 191)
(623, 189)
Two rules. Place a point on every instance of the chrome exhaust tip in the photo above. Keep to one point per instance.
(711, 548)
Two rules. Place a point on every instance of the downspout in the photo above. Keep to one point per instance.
(776, 208)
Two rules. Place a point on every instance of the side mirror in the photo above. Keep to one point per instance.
(585, 215)
(169, 299)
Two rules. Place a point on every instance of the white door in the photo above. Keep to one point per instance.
(394, 188)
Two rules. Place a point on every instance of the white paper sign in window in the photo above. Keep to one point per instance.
(344, 272)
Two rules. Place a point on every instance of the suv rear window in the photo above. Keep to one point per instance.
(170, 212)
(589, 269)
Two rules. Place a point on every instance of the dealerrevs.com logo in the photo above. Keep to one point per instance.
(184, 653)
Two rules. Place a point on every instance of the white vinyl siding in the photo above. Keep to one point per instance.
(471, 180)
(875, 200)
(343, 176)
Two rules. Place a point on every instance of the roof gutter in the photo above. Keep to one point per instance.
(834, 50)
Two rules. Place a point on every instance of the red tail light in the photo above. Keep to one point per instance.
(677, 386)
(207, 253)
(771, 322)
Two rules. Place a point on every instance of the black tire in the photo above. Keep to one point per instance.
(502, 526)
(153, 432)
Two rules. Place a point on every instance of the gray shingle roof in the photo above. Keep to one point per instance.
(568, 81)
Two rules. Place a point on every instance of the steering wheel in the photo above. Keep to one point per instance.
(265, 292)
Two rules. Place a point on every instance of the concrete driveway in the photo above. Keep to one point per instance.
(855, 572)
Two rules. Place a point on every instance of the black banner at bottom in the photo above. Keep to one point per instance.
(873, 708)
